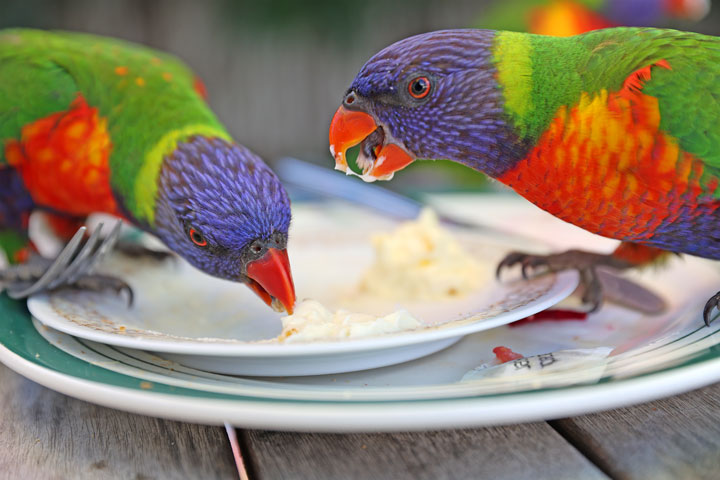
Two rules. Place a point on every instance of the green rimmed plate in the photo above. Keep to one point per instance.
(24, 350)
(221, 326)
(652, 357)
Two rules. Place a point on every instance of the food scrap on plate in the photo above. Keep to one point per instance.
(313, 321)
(421, 260)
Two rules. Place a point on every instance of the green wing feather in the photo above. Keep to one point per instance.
(31, 88)
(688, 94)
(145, 95)
(689, 99)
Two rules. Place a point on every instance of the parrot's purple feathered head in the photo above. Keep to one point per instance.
(431, 96)
(221, 208)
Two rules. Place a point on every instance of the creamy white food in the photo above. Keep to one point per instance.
(312, 321)
(420, 260)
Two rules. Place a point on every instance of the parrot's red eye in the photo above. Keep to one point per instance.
(197, 238)
(419, 87)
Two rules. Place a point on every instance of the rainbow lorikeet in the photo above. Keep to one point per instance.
(91, 124)
(616, 131)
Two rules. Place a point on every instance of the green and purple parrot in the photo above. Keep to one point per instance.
(91, 124)
(616, 131)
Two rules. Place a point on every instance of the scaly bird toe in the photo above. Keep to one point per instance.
(713, 302)
(593, 294)
(25, 273)
(138, 251)
(20, 277)
(526, 261)
(583, 262)
(103, 283)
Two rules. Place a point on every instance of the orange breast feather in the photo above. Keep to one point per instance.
(63, 159)
(606, 166)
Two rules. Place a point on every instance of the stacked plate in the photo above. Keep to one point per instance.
(201, 349)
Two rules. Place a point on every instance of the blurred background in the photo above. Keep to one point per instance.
(276, 70)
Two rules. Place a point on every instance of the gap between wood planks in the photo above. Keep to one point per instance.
(247, 465)
(237, 451)
(516, 451)
(251, 462)
(583, 447)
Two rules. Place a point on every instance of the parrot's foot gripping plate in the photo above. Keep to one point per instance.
(713, 302)
(19, 278)
(104, 283)
(72, 268)
(140, 252)
(596, 277)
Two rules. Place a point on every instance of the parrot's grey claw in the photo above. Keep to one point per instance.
(593, 294)
(713, 302)
(72, 268)
(138, 251)
(583, 262)
(530, 265)
(525, 260)
(103, 283)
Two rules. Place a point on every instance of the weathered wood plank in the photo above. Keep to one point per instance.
(678, 437)
(532, 451)
(46, 435)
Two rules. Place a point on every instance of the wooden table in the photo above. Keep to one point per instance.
(46, 435)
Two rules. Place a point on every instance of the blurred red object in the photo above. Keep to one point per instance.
(551, 315)
(564, 18)
(504, 354)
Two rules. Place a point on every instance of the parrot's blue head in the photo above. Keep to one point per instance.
(432, 96)
(222, 209)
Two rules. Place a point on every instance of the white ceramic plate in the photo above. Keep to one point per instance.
(221, 326)
(651, 357)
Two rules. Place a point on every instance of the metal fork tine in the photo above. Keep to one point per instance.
(55, 268)
(102, 249)
(77, 262)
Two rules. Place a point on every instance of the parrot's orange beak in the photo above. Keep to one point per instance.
(352, 127)
(271, 279)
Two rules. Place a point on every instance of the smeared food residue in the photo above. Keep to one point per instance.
(312, 321)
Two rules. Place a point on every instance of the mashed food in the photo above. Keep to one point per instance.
(312, 321)
(420, 260)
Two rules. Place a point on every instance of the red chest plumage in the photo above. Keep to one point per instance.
(606, 166)
(63, 160)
